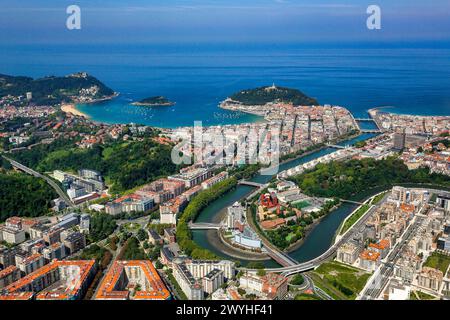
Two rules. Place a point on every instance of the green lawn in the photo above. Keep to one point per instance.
(354, 217)
(344, 281)
(378, 198)
(304, 296)
(302, 204)
(418, 295)
(132, 227)
(438, 261)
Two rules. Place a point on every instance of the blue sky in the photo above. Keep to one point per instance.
(239, 21)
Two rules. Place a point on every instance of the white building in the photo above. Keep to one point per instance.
(168, 218)
(12, 235)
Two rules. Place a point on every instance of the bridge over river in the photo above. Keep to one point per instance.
(329, 254)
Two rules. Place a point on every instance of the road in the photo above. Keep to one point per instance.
(52, 183)
(331, 252)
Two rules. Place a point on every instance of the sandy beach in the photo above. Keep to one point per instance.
(70, 108)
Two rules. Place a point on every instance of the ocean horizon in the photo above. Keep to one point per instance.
(410, 80)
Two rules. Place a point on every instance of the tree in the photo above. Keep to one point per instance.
(25, 196)
(255, 265)
(261, 273)
(142, 235)
(158, 265)
(297, 280)
(102, 226)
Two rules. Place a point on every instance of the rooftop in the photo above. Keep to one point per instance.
(111, 287)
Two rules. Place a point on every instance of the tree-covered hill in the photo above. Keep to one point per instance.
(125, 165)
(24, 196)
(263, 95)
(346, 179)
(53, 90)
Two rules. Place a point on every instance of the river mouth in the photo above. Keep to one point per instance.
(318, 239)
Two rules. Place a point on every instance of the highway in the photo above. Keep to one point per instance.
(52, 183)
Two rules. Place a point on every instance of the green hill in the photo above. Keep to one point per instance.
(263, 95)
(154, 101)
(53, 90)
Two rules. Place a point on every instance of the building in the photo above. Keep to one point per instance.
(213, 281)
(191, 287)
(12, 235)
(154, 237)
(443, 201)
(169, 235)
(397, 291)
(399, 141)
(247, 239)
(430, 278)
(74, 241)
(252, 282)
(31, 263)
(382, 247)
(166, 256)
(9, 275)
(348, 252)
(37, 231)
(76, 191)
(235, 214)
(52, 235)
(162, 190)
(132, 280)
(192, 177)
(200, 268)
(369, 260)
(7, 257)
(130, 203)
(400, 193)
(269, 200)
(273, 224)
(58, 280)
(170, 209)
(275, 286)
(54, 251)
(85, 223)
(90, 174)
(215, 180)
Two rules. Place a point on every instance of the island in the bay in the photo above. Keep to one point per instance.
(158, 101)
(256, 101)
(77, 87)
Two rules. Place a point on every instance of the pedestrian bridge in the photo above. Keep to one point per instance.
(204, 226)
(336, 146)
(364, 119)
(370, 131)
(251, 184)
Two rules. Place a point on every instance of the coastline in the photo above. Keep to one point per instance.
(72, 109)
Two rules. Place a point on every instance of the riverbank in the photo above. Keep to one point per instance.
(71, 109)
(318, 235)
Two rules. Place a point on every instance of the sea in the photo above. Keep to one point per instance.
(413, 79)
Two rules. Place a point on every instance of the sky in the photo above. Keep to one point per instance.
(234, 21)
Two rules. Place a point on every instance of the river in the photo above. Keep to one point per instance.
(318, 240)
